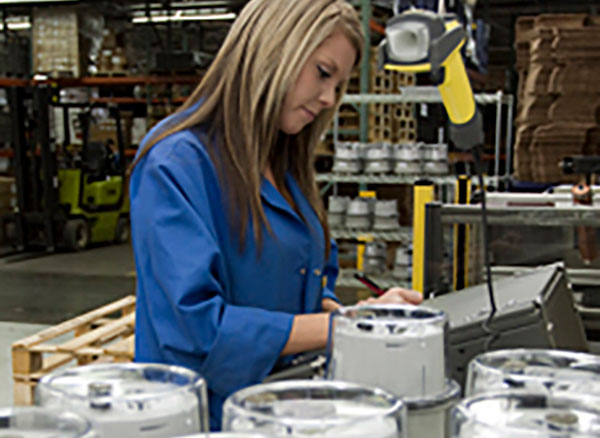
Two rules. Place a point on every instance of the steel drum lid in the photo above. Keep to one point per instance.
(36, 422)
(310, 408)
(534, 369)
(525, 414)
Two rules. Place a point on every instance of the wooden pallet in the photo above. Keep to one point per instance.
(95, 337)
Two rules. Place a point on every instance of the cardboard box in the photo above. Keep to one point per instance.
(58, 48)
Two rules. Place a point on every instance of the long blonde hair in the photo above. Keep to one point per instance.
(242, 97)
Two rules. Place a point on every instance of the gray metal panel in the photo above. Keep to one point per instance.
(535, 309)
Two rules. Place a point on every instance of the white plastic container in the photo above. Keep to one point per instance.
(130, 400)
(399, 348)
(36, 422)
(523, 414)
(309, 408)
(534, 369)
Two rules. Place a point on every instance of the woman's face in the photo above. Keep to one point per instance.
(327, 68)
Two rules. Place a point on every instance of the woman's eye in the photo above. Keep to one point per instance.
(323, 73)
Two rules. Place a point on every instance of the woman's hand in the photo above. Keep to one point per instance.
(395, 295)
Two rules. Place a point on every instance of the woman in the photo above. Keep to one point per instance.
(233, 255)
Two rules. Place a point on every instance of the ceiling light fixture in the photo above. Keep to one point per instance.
(16, 26)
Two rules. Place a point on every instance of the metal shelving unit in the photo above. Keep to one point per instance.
(381, 179)
(404, 235)
(430, 94)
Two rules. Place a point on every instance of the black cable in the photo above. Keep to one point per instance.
(493, 335)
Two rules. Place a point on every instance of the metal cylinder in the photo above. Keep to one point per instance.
(533, 369)
(399, 348)
(36, 422)
(305, 408)
(130, 400)
(525, 414)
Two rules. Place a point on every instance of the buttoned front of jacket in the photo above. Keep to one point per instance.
(202, 302)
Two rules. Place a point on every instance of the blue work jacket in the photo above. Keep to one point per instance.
(202, 302)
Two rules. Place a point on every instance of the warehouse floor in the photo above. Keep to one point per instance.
(47, 290)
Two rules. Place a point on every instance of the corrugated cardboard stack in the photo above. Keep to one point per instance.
(58, 48)
(558, 57)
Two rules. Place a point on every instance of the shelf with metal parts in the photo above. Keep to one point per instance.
(429, 94)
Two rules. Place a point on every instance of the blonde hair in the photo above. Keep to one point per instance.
(242, 97)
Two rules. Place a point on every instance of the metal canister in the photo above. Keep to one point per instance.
(525, 414)
(534, 369)
(399, 348)
(310, 408)
(130, 400)
(36, 422)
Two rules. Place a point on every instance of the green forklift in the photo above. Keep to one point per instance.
(81, 201)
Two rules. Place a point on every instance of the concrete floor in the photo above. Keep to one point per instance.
(38, 292)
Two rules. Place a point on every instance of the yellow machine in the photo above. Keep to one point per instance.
(423, 41)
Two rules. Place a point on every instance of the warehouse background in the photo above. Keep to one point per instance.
(142, 59)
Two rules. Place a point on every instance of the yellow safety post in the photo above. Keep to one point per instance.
(423, 193)
(364, 238)
(460, 265)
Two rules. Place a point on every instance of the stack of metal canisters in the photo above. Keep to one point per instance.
(359, 214)
(403, 263)
(375, 258)
(336, 211)
(435, 159)
(386, 215)
(378, 158)
(348, 157)
(408, 158)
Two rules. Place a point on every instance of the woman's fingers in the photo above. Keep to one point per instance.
(395, 295)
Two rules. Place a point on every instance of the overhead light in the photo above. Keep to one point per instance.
(16, 26)
(184, 17)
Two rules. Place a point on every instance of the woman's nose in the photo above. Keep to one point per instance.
(327, 97)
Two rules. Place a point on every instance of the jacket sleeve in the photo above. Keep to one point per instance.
(331, 271)
(183, 277)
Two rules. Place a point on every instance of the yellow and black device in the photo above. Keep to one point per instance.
(421, 41)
